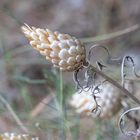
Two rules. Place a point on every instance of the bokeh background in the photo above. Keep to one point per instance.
(27, 79)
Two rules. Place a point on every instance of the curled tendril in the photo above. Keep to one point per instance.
(92, 75)
(75, 78)
(96, 90)
(121, 124)
(123, 75)
(118, 60)
(95, 46)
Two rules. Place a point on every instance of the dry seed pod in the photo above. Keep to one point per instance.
(83, 102)
(13, 136)
(63, 50)
(109, 101)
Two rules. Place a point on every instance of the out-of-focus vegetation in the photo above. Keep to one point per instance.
(34, 89)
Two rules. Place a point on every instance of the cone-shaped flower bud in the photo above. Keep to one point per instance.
(63, 50)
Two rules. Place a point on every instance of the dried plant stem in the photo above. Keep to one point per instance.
(39, 108)
(18, 121)
(110, 35)
(124, 91)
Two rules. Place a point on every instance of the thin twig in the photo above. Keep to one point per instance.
(124, 91)
(110, 35)
(18, 121)
(39, 108)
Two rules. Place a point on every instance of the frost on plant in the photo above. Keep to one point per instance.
(97, 92)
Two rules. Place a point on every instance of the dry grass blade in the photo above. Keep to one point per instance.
(39, 107)
(110, 35)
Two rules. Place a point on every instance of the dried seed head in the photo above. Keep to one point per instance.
(13, 136)
(109, 100)
(83, 102)
(63, 50)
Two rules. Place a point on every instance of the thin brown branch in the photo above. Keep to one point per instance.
(124, 91)
(39, 107)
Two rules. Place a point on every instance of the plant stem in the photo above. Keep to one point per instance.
(110, 35)
(126, 92)
(61, 89)
(62, 106)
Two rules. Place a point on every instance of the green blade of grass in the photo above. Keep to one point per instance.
(28, 80)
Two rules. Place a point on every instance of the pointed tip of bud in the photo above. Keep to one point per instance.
(25, 27)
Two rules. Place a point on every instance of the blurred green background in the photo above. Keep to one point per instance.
(27, 79)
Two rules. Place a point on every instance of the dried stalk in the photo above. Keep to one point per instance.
(124, 91)
(39, 107)
(110, 35)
